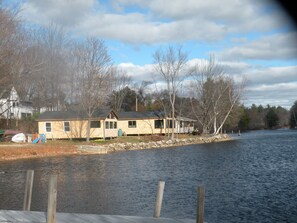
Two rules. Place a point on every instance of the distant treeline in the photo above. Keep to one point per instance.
(269, 117)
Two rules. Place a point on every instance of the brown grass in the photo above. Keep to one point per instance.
(27, 150)
(14, 151)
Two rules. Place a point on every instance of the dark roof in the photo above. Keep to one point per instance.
(70, 115)
(141, 115)
(26, 103)
(102, 114)
(148, 115)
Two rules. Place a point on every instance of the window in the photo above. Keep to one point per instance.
(169, 124)
(110, 125)
(25, 115)
(48, 127)
(95, 124)
(131, 124)
(159, 124)
(67, 126)
(111, 116)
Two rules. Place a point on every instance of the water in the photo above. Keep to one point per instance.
(250, 179)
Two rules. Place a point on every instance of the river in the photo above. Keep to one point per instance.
(252, 178)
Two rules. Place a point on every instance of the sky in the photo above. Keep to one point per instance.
(251, 38)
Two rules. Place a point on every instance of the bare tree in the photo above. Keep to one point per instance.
(141, 97)
(120, 81)
(214, 94)
(228, 95)
(10, 37)
(170, 65)
(26, 68)
(94, 75)
(203, 92)
(54, 43)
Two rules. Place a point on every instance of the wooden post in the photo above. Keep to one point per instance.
(28, 190)
(159, 199)
(200, 204)
(52, 199)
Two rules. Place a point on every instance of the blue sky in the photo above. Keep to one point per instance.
(250, 37)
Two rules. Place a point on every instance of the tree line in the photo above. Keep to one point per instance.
(254, 117)
(58, 72)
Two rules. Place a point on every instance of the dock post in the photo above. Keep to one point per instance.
(52, 199)
(200, 204)
(159, 199)
(28, 190)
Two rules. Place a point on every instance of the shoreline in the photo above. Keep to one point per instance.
(15, 152)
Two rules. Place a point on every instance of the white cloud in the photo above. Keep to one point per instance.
(63, 12)
(159, 21)
(272, 85)
(283, 86)
(272, 75)
(283, 94)
(135, 28)
(138, 73)
(227, 25)
(278, 46)
(240, 16)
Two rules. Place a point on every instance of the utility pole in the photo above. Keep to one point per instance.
(136, 104)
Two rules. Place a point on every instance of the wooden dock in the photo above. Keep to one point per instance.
(51, 216)
(10, 216)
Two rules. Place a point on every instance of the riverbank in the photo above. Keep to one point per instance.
(12, 151)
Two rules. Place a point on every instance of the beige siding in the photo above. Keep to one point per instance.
(78, 129)
(143, 127)
(147, 126)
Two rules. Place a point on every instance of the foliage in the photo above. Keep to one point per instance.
(293, 115)
(170, 64)
(259, 117)
(215, 96)
(244, 121)
(272, 118)
(128, 102)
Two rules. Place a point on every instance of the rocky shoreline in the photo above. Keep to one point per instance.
(117, 147)
(11, 151)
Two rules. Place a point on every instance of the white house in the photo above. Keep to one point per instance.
(11, 106)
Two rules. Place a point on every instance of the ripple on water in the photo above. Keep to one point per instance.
(250, 179)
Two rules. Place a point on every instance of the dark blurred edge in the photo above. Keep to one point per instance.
(290, 7)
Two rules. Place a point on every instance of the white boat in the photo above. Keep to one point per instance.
(20, 137)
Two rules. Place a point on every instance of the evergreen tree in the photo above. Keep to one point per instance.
(272, 118)
(244, 121)
(293, 115)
